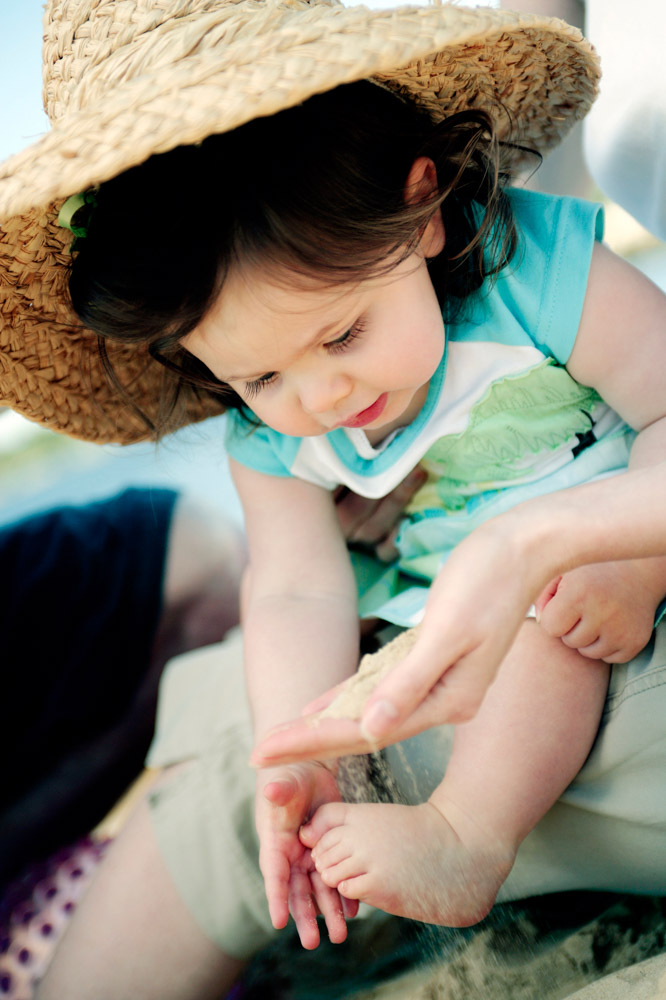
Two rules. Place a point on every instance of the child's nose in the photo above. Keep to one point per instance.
(322, 394)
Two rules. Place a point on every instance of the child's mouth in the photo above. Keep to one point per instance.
(370, 414)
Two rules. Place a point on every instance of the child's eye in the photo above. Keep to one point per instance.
(346, 340)
(253, 388)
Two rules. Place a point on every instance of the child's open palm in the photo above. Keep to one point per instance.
(286, 798)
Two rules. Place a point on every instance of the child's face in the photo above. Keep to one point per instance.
(308, 359)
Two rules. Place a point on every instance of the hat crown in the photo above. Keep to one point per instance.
(89, 48)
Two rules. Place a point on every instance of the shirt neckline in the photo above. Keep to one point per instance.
(345, 444)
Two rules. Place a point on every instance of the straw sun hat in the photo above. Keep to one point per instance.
(127, 78)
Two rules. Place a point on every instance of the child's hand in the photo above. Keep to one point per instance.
(286, 798)
(606, 610)
(374, 523)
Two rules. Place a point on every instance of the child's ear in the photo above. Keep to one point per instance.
(420, 185)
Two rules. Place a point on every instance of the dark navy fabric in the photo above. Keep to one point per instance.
(81, 599)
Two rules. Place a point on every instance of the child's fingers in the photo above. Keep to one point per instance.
(331, 907)
(545, 596)
(280, 792)
(349, 907)
(303, 909)
(276, 872)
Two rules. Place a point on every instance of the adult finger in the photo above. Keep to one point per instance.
(418, 694)
(386, 550)
(324, 700)
(310, 738)
(352, 511)
(404, 688)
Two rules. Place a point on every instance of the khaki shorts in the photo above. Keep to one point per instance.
(608, 831)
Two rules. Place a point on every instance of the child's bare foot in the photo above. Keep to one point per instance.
(407, 860)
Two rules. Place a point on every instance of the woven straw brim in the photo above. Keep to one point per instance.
(184, 78)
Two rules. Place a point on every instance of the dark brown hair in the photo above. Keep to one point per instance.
(317, 189)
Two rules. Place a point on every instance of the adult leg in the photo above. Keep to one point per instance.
(205, 559)
(133, 936)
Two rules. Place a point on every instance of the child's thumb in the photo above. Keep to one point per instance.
(546, 595)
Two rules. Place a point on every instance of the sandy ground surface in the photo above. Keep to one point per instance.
(546, 950)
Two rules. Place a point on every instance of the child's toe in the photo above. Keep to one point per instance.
(324, 856)
(357, 886)
(326, 818)
(334, 840)
(335, 874)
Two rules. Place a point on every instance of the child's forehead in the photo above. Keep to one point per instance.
(256, 330)
(260, 311)
(266, 297)
(266, 292)
(265, 321)
(257, 317)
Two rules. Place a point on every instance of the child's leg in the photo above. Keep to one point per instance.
(445, 860)
(133, 936)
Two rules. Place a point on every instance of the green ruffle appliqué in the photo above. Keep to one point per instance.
(520, 419)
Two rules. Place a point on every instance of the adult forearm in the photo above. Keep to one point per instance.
(620, 517)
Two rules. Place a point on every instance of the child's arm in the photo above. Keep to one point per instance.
(607, 612)
(300, 618)
(301, 633)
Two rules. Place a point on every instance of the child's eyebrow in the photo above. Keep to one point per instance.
(325, 331)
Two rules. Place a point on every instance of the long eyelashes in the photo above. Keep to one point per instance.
(347, 338)
(252, 389)
(342, 343)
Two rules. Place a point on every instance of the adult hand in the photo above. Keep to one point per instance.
(285, 799)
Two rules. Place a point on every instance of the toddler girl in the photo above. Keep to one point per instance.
(366, 294)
